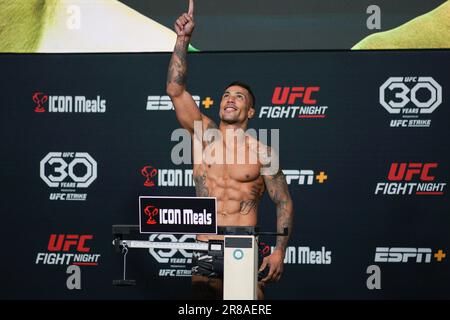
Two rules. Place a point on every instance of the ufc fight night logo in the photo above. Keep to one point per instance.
(410, 97)
(294, 102)
(411, 178)
(65, 249)
(68, 171)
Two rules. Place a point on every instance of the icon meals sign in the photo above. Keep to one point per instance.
(188, 215)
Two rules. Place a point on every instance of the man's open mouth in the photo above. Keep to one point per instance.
(230, 108)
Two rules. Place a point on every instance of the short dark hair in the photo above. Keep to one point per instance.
(245, 86)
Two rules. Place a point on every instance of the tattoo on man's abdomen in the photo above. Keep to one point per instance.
(247, 206)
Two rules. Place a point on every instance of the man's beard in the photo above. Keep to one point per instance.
(230, 121)
(230, 118)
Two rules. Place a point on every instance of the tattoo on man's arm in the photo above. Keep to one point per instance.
(178, 65)
(279, 193)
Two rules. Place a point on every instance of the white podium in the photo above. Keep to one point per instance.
(240, 270)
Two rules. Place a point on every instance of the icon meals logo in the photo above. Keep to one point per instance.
(40, 99)
(306, 255)
(188, 215)
(166, 177)
(177, 216)
(410, 97)
(149, 173)
(68, 104)
(151, 212)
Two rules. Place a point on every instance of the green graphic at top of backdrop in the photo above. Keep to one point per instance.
(232, 25)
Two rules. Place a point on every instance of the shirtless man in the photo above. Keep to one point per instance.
(237, 186)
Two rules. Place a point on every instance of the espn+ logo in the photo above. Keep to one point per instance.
(162, 103)
(405, 255)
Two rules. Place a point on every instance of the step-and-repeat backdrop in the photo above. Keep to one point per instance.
(362, 142)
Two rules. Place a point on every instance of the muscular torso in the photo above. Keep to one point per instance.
(238, 187)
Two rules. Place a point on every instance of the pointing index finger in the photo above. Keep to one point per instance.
(191, 8)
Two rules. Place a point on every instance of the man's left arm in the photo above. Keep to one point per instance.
(279, 193)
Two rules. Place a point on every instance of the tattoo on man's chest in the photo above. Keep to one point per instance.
(200, 185)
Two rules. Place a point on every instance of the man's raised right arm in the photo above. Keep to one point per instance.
(185, 107)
